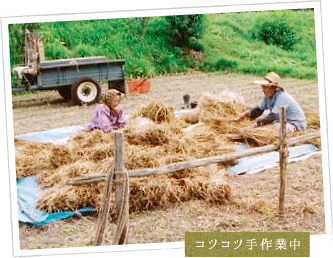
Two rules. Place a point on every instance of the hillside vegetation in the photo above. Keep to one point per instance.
(225, 42)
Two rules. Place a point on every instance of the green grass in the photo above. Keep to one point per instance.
(143, 42)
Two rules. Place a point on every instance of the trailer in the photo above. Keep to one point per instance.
(77, 79)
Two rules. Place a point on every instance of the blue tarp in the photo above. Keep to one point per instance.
(28, 189)
(28, 192)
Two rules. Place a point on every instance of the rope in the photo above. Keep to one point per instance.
(122, 222)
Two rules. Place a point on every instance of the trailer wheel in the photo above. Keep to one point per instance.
(86, 91)
(65, 92)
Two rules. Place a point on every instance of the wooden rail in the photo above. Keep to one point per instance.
(197, 162)
(121, 177)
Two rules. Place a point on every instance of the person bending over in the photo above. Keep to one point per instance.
(274, 97)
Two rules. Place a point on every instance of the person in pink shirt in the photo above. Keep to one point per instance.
(109, 115)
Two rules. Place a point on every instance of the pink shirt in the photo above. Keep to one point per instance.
(103, 119)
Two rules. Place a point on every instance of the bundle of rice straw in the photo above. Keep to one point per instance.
(69, 198)
(61, 197)
(204, 142)
(313, 121)
(157, 111)
(189, 116)
(145, 193)
(225, 104)
(33, 157)
(313, 124)
(49, 178)
(148, 193)
(261, 136)
(153, 134)
(147, 157)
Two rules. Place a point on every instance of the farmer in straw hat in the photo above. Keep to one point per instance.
(275, 97)
(109, 115)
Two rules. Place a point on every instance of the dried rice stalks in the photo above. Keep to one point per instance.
(154, 134)
(261, 136)
(190, 116)
(313, 121)
(224, 104)
(147, 193)
(86, 139)
(33, 157)
(143, 157)
(69, 198)
(49, 178)
(156, 111)
(63, 197)
(204, 142)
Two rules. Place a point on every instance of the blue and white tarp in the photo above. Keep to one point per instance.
(28, 189)
(28, 192)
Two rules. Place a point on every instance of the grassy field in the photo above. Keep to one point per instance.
(254, 203)
(146, 44)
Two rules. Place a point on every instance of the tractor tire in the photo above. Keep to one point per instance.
(65, 92)
(86, 91)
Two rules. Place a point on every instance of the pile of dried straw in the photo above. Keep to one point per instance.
(156, 111)
(145, 193)
(155, 143)
(160, 143)
(224, 104)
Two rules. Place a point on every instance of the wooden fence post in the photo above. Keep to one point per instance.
(283, 160)
(121, 188)
(118, 173)
(105, 208)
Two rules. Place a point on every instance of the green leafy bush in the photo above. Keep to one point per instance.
(56, 50)
(275, 33)
(136, 68)
(184, 30)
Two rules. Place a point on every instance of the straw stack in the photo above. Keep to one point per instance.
(155, 141)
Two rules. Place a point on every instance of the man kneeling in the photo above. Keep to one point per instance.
(275, 97)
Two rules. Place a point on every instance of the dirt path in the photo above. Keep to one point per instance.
(47, 110)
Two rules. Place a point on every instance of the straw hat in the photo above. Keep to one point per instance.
(270, 80)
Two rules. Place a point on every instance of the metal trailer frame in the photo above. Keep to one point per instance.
(66, 75)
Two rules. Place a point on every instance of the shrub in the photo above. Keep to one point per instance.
(275, 33)
(56, 50)
(136, 68)
(184, 30)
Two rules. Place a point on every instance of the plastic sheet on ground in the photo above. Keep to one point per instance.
(28, 189)
(257, 163)
(57, 135)
(28, 192)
